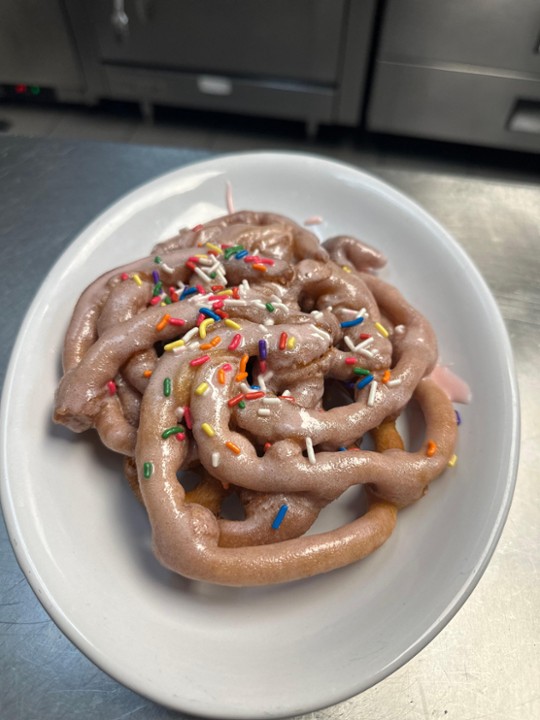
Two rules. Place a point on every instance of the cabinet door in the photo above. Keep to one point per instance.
(494, 34)
(289, 39)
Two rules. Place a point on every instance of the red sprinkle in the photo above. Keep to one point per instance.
(180, 436)
(216, 288)
(283, 341)
(200, 318)
(124, 276)
(251, 258)
(176, 321)
(350, 361)
(187, 417)
(235, 400)
(235, 293)
(266, 261)
(364, 336)
(201, 289)
(199, 360)
(221, 313)
(193, 260)
(262, 365)
(155, 300)
(173, 294)
(235, 342)
(190, 265)
(196, 228)
(111, 385)
(255, 395)
(227, 367)
(267, 446)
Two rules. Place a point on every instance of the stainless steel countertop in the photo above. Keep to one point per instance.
(486, 662)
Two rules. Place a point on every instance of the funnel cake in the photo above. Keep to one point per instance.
(247, 352)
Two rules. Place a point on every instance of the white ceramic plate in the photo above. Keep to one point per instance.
(83, 541)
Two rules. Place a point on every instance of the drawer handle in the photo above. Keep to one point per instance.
(525, 117)
(120, 20)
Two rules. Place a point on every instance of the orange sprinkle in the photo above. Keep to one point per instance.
(206, 346)
(147, 373)
(431, 448)
(221, 376)
(243, 363)
(215, 341)
(260, 267)
(164, 320)
(386, 376)
(236, 450)
(241, 376)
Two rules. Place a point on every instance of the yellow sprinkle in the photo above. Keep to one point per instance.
(346, 268)
(204, 325)
(215, 248)
(384, 332)
(137, 279)
(225, 292)
(201, 389)
(176, 344)
(234, 325)
(452, 461)
(291, 342)
(208, 429)
(201, 256)
(162, 304)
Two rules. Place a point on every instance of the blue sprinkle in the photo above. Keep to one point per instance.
(255, 387)
(187, 291)
(364, 381)
(279, 517)
(342, 449)
(209, 313)
(241, 254)
(352, 323)
(155, 276)
(458, 417)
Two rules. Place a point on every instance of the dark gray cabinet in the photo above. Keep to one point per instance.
(300, 59)
(459, 70)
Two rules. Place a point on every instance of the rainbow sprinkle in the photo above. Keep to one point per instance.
(174, 430)
(199, 360)
(202, 388)
(167, 386)
(208, 429)
(234, 448)
(365, 381)
(431, 448)
(384, 332)
(279, 517)
(352, 323)
(235, 342)
(234, 325)
(148, 469)
(111, 387)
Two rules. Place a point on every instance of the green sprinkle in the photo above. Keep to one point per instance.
(361, 371)
(242, 404)
(157, 289)
(229, 252)
(213, 275)
(158, 260)
(148, 469)
(167, 387)
(167, 300)
(174, 430)
(270, 307)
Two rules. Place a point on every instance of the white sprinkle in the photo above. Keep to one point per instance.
(322, 333)
(204, 277)
(364, 344)
(221, 277)
(263, 412)
(364, 352)
(179, 413)
(269, 321)
(208, 262)
(166, 267)
(232, 301)
(259, 303)
(372, 393)
(271, 401)
(262, 327)
(261, 383)
(215, 459)
(190, 334)
(276, 302)
(179, 349)
(349, 343)
(394, 383)
(244, 387)
(286, 393)
(229, 198)
(310, 452)
(317, 314)
(245, 285)
(268, 375)
(347, 310)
